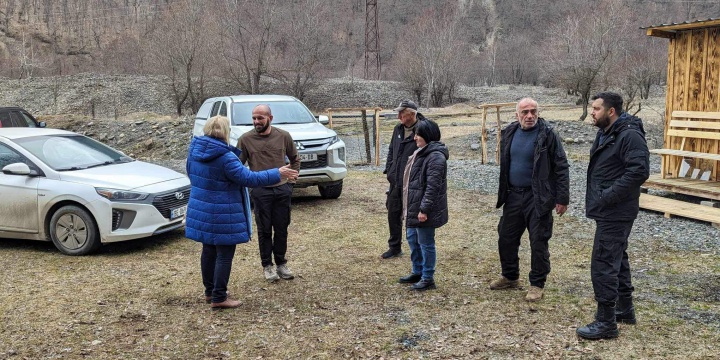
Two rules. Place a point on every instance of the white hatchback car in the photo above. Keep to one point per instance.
(61, 186)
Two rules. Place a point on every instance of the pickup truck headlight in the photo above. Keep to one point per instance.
(121, 195)
(333, 140)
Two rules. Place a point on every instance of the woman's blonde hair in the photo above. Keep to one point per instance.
(218, 127)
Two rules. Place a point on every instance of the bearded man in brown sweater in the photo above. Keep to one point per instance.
(268, 147)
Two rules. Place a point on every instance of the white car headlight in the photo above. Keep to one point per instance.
(121, 195)
(333, 140)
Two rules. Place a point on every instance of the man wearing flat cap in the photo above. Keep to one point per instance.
(402, 145)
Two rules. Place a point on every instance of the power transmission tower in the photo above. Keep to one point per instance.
(372, 41)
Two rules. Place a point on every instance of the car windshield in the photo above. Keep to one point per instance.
(71, 152)
(284, 112)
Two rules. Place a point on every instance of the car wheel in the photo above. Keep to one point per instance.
(73, 231)
(330, 191)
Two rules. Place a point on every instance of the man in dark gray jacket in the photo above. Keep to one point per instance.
(619, 165)
(534, 180)
(402, 145)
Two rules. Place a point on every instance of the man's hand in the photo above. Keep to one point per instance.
(422, 217)
(560, 209)
(287, 173)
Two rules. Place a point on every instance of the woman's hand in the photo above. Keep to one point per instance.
(422, 217)
(287, 173)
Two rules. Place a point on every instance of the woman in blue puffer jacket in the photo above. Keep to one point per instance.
(218, 213)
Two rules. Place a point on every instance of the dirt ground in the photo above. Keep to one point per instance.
(144, 299)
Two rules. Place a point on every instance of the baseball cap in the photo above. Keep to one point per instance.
(407, 103)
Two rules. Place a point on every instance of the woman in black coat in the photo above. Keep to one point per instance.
(424, 202)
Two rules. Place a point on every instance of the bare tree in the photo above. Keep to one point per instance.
(583, 47)
(180, 47)
(248, 32)
(302, 48)
(433, 54)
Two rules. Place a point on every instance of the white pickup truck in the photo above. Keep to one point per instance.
(321, 151)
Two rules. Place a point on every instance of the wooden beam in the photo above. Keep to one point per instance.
(709, 125)
(671, 207)
(694, 134)
(661, 33)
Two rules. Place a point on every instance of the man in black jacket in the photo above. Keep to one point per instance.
(402, 145)
(534, 180)
(619, 165)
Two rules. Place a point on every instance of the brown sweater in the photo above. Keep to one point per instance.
(262, 152)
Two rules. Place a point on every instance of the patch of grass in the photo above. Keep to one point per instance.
(143, 299)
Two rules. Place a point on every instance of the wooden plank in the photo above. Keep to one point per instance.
(687, 186)
(691, 154)
(710, 115)
(694, 134)
(661, 33)
(713, 88)
(695, 124)
(681, 75)
(696, 75)
(669, 96)
(680, 208)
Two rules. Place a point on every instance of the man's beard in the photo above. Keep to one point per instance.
(602, 122)
(262, 130)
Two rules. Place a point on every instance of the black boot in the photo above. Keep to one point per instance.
(625, 311)
(604, 326)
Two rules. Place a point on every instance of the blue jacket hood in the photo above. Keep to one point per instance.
(206, 148)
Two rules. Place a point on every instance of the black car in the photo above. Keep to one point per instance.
(18, 117)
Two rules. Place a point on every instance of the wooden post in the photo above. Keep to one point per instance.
(377, 136)
(366, 134)
(483, 132)
(329, 111)
(499, 127)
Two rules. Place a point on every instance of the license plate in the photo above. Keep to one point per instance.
(308, 157)
(178, 212)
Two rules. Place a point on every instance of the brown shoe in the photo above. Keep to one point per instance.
(227, 304)
(503, 283)
(534, 294)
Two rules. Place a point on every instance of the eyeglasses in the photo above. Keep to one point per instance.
(531, 111)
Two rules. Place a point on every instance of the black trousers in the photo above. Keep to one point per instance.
(518, 215)
(394, 207)
(215, 266)
(609, 267)
(272, 214)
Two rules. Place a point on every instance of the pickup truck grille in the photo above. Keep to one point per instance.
(320, 162)
(168, 201)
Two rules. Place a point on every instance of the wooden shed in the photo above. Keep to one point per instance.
(691, 150)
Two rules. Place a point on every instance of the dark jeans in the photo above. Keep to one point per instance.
(215, 266)
(272, 214)
(609, 267)
(394, 207)
(519, 214)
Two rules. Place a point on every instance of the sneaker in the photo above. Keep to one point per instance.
(270, 274)
(391, 254)
(284, 272)
(503, 283)
(534, 294)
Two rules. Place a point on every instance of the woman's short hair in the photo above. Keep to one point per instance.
(218, 127)
(428, 130)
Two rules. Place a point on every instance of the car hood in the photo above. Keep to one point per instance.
(300, 132)
(127, 176)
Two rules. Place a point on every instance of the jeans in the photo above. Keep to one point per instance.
(422, 251)
(610, 266)
(519, 214)
(215, 266)
(272, 214)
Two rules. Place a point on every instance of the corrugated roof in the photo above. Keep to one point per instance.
(680, 23)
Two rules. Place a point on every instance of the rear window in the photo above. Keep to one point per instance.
(284, 112)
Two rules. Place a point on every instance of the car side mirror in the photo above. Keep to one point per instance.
(324, 119)
(42, 124)
(17, 169)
